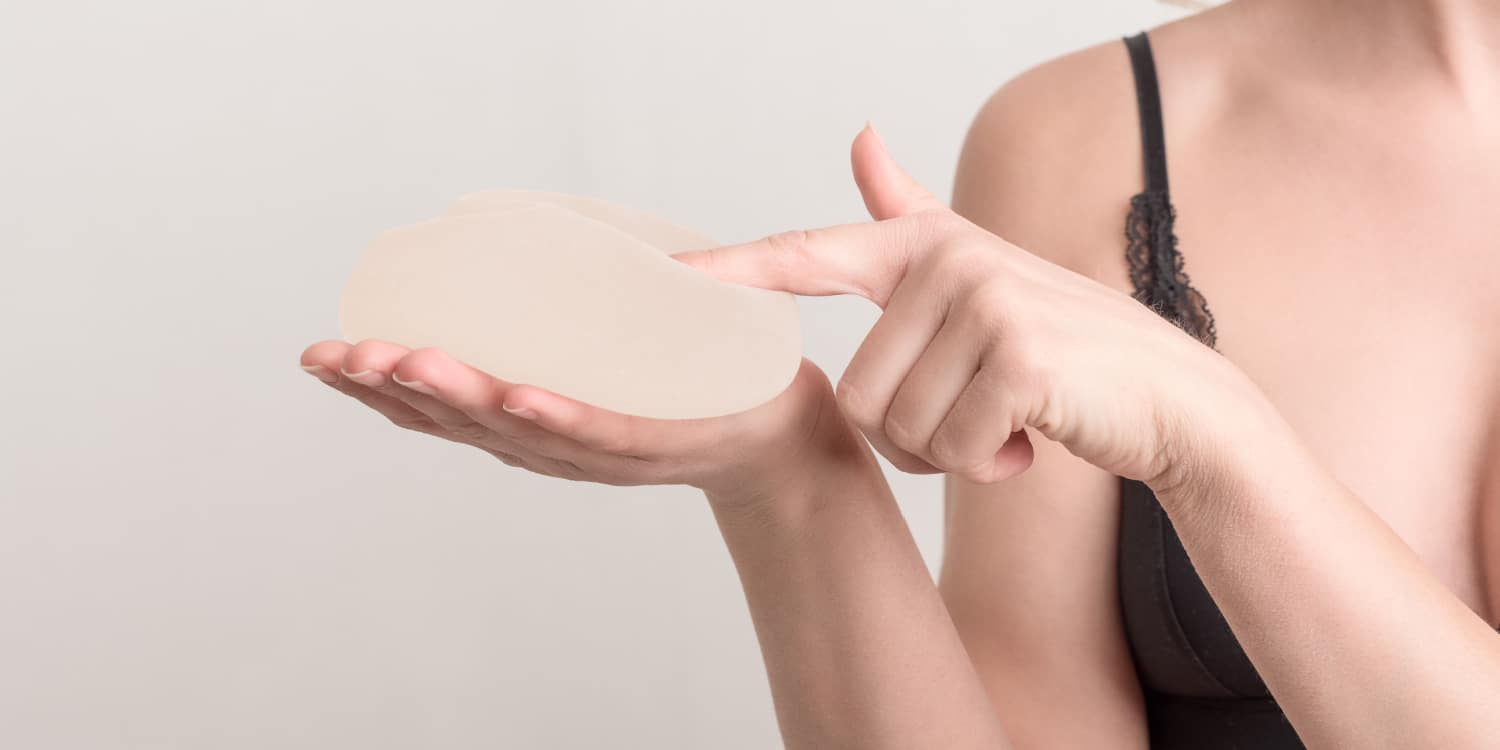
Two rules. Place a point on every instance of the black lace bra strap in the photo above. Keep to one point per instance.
(1148, 102)
(1156, 268)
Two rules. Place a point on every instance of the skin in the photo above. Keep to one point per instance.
(1292, 208)
(1345, 544)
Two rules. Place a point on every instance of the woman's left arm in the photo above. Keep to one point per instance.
(1360, 643)
(981, 341)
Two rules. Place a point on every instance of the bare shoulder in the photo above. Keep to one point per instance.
(1053, 157)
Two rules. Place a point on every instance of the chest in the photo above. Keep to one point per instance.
(1359, 285)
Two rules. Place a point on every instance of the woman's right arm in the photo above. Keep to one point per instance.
(858, 646)
(862, 650)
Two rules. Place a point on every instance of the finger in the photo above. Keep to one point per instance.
(365, 372)
(866, 259)
(893, 346)
(639, 450)
(399, 414)
(536, 464)
(372, 363)
(323, 360)
(984, 434)
(524, 415)
(612, 432)
(899, 458)
(931, 389)
(887, 189)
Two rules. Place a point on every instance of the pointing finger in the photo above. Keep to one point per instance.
(868, 259)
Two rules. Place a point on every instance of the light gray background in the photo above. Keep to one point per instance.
(202, 547)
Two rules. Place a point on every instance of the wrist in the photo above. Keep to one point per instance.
(1228, 436)
(803, 506)
(831, 455)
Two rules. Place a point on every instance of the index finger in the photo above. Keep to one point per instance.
(868, 259)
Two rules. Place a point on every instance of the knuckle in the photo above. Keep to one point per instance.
(989, 303)
(788, 252)
(856, 407)
(900, 458)
(951, 257)
(911, 464)
(570, 470)
(506, 458)
(707, 258)
(1030, 362)
(586, 431)
(638, 471)
(980, 473)
(470, 432)
(956, 267)
(945, 451)
(954, 457)
(902, 436)
(791, 241)
(414, 422)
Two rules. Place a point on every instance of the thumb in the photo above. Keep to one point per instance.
(889, 192)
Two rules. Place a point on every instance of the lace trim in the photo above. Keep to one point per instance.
(1156, 269)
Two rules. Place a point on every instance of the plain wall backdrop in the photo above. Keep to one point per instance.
(203, 547)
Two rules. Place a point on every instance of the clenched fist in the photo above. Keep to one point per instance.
(980, 339)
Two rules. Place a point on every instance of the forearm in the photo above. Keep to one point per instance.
(1361, 645)
(858, 646)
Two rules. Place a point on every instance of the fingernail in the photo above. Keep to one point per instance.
(415, 385)
(321, 373)
(365, 377)
(869, 125)
(521, 412)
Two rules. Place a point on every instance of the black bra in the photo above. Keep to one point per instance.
(1201, 690)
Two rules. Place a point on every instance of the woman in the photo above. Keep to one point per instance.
(1312, 418)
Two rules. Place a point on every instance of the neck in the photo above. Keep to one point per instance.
(1455, 40)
